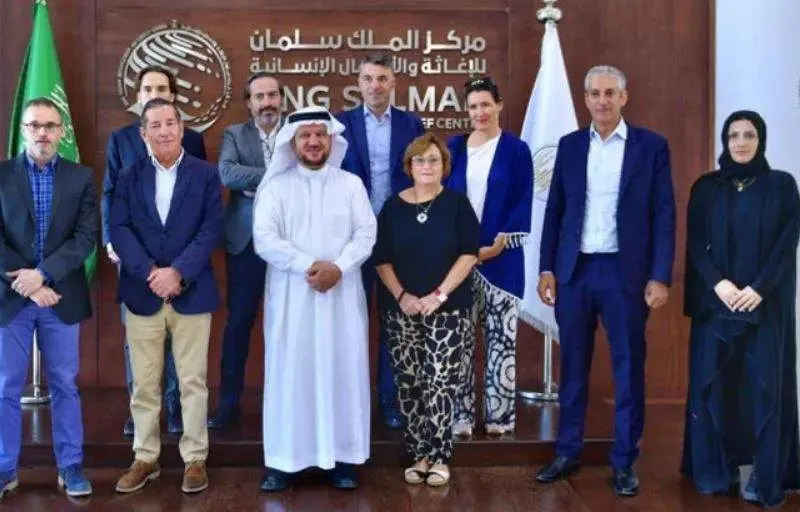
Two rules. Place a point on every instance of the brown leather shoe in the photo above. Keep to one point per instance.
(137, 476)
(195, 477)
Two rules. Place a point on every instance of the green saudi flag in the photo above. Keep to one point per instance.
(41, 77)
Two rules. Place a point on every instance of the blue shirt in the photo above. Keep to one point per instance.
(41, 181)
(379, 139)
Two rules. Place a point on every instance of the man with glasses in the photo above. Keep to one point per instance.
(125, 148)
(377, 135)
(48, 215)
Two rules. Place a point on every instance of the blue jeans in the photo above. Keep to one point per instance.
(245, 272)
(172, 396)
(59, 344)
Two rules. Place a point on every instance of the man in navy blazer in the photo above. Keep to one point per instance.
(166, 220)
(607, 250)
(377, 135)
(125, 148)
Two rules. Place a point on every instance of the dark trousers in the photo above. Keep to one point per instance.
(387, 391)
(245, 273)
(596, 290)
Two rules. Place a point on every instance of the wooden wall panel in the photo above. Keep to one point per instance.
(662, 45)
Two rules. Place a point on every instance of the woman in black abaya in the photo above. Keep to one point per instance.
(743, 226)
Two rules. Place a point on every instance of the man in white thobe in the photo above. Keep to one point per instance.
(314, 226)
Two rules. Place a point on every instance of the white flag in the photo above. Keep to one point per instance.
(550, 115)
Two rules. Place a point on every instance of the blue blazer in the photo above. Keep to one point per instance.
(125, 147)
(645, 211)
(405, 128)
(507, 208)
(192, 231)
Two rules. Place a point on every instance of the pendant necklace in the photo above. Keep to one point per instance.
(422, 213)
(743, 184)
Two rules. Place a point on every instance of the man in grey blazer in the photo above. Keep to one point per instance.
(246, 152)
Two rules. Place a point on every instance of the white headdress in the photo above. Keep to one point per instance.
(284, 158)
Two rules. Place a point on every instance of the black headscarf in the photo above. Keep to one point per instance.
(758, 165)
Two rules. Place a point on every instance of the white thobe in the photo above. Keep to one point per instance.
(316, 383)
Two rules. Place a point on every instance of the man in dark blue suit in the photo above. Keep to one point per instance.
(608, 244)
(125, 148)
(377, 135)
(166, 221)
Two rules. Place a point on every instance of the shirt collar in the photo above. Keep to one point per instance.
(387, 114)
(49, 167)
(160, 167)
(620, 131)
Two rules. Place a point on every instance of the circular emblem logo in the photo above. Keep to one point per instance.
(199, 64)
(544, 159)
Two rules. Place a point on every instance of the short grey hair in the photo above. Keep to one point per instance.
(605, 70)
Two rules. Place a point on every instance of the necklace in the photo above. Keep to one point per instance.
(743, 184)
(422, 212)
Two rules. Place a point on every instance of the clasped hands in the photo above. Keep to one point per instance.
(744, 300)
(29, 282)
(412, 305)
(165, 282)
(321, 276)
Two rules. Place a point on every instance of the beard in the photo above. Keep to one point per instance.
(268, 116)
(313, 163)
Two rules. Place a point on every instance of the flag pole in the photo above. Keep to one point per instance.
(549, 14)
(35, 393)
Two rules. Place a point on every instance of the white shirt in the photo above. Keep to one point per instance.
(268, 142)
(165, 185)
(603, 173)
(479, 163)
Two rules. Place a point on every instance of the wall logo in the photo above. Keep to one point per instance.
(202, 70)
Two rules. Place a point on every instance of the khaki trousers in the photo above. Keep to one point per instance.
(190, 339)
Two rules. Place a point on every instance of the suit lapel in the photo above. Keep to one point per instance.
(360, 139)
(181, 186)
(253, 141)
(60, 183)
(148, 191)
(629, 159)
(24, 184)
(582, 165)
(395, 143)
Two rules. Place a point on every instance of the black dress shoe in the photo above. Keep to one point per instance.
(224, 417)
(344, 477)
(175, 424)
(560, 468)
(127, 429)
(274, 480)
(626, 484)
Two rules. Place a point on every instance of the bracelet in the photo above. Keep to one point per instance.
(400, 297)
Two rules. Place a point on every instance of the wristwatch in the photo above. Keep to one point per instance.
(440, 295)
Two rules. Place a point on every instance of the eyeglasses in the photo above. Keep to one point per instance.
(47, 127)
(421, 160)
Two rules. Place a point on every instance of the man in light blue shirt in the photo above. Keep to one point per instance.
(377, 135)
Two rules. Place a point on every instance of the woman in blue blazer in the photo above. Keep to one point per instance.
(494, 169)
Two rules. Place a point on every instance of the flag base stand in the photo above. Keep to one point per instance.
(549, 391)
(35, 393)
